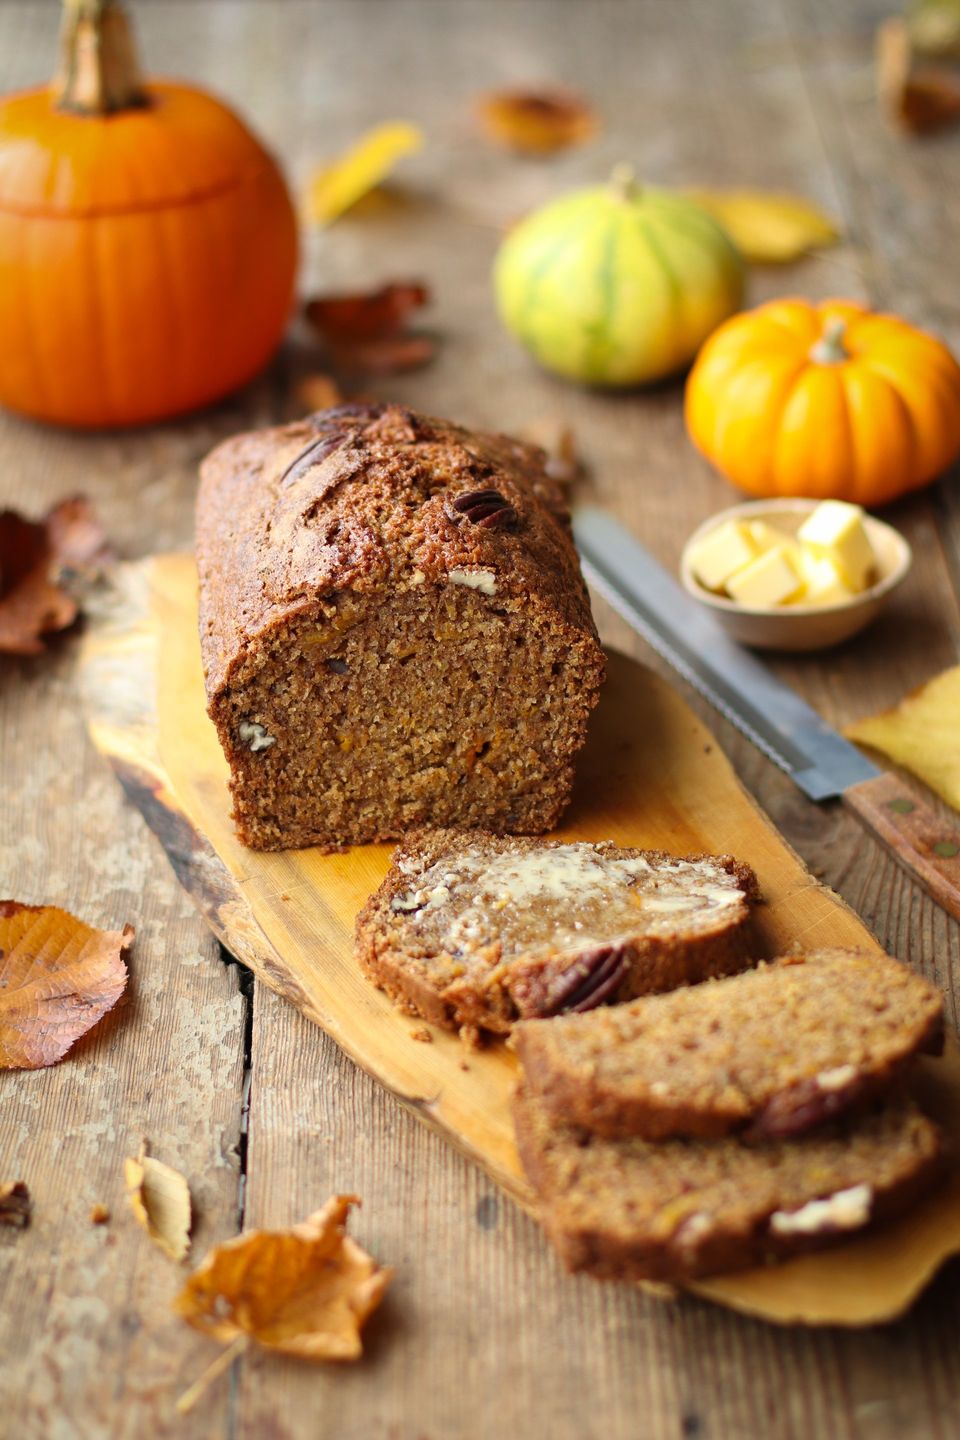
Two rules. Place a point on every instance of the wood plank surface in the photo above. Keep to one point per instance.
(482, 1331)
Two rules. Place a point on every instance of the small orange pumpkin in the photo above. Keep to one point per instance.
(148, 243)
(831, 401)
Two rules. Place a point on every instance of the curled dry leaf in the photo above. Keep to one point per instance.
(15, 1204)
(922, 734)
(537, 122)
(333, 189)
(767, 227)
(160, 1199)
(305, 1291)
(366, 332)
(58, 977)
(36, 561)
(918, 97)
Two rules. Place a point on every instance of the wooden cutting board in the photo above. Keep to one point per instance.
(651, 775)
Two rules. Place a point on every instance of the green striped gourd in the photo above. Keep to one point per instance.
(617, 285)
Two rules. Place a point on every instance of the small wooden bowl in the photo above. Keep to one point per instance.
(799, 627)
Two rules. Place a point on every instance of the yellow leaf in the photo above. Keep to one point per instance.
(767, 227)
(922, 734)
(306, 1291)
(160, 1199)
(333, 189)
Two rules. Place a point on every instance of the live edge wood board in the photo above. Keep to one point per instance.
(651, 775)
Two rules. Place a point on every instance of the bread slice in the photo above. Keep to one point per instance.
(779, 1049)
(676, 1209)
(472, 929)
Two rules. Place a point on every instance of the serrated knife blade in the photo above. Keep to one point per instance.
(784, 727)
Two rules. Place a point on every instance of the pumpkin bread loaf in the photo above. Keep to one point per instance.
(394, 629)
(478, 930)
(777, 1050)
(677, 1209)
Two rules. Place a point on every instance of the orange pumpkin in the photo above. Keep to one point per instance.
(148, 243)
(830, 400)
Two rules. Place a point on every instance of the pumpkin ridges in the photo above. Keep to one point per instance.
(925, 399)
(885, 439)
(743, 399)
(832, 441)
(811, 457)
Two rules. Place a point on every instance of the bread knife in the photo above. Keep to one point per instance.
(784, 727)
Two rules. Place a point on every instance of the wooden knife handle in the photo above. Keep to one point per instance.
(915, 835)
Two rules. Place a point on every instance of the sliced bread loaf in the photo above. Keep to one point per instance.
(472, 929)
(673, 1210)
(779, 1049)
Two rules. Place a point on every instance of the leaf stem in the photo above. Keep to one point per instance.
(214, 1370)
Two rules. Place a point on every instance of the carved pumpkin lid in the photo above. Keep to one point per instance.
(182, 145)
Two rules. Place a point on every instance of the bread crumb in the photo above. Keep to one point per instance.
(423, 1034)
(470, 1037)
(99, 1214)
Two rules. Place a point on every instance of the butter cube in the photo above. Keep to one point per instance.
(772, 579)
(722, 553)
(825, 584)
(835, 531)
(766, 537)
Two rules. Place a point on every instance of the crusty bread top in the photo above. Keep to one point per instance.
(360, 497)
(779, 1048)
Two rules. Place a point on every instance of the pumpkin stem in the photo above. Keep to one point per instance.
(99, 72)
(623, 182)
(830, 349)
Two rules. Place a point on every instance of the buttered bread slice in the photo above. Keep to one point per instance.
(472, 929)
(777, 1049)
(676, 1209)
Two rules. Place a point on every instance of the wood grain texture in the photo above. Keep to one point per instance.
(742, 91)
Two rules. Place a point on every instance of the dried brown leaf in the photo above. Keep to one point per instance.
(304, 1291)
(367, 315)
(36, 559)
(537, 122)
(918, 97)
(58, 977)
(160, 1199)
(15, 1204)
(366, 332)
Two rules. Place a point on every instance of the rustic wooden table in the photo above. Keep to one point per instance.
(482, 1334)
